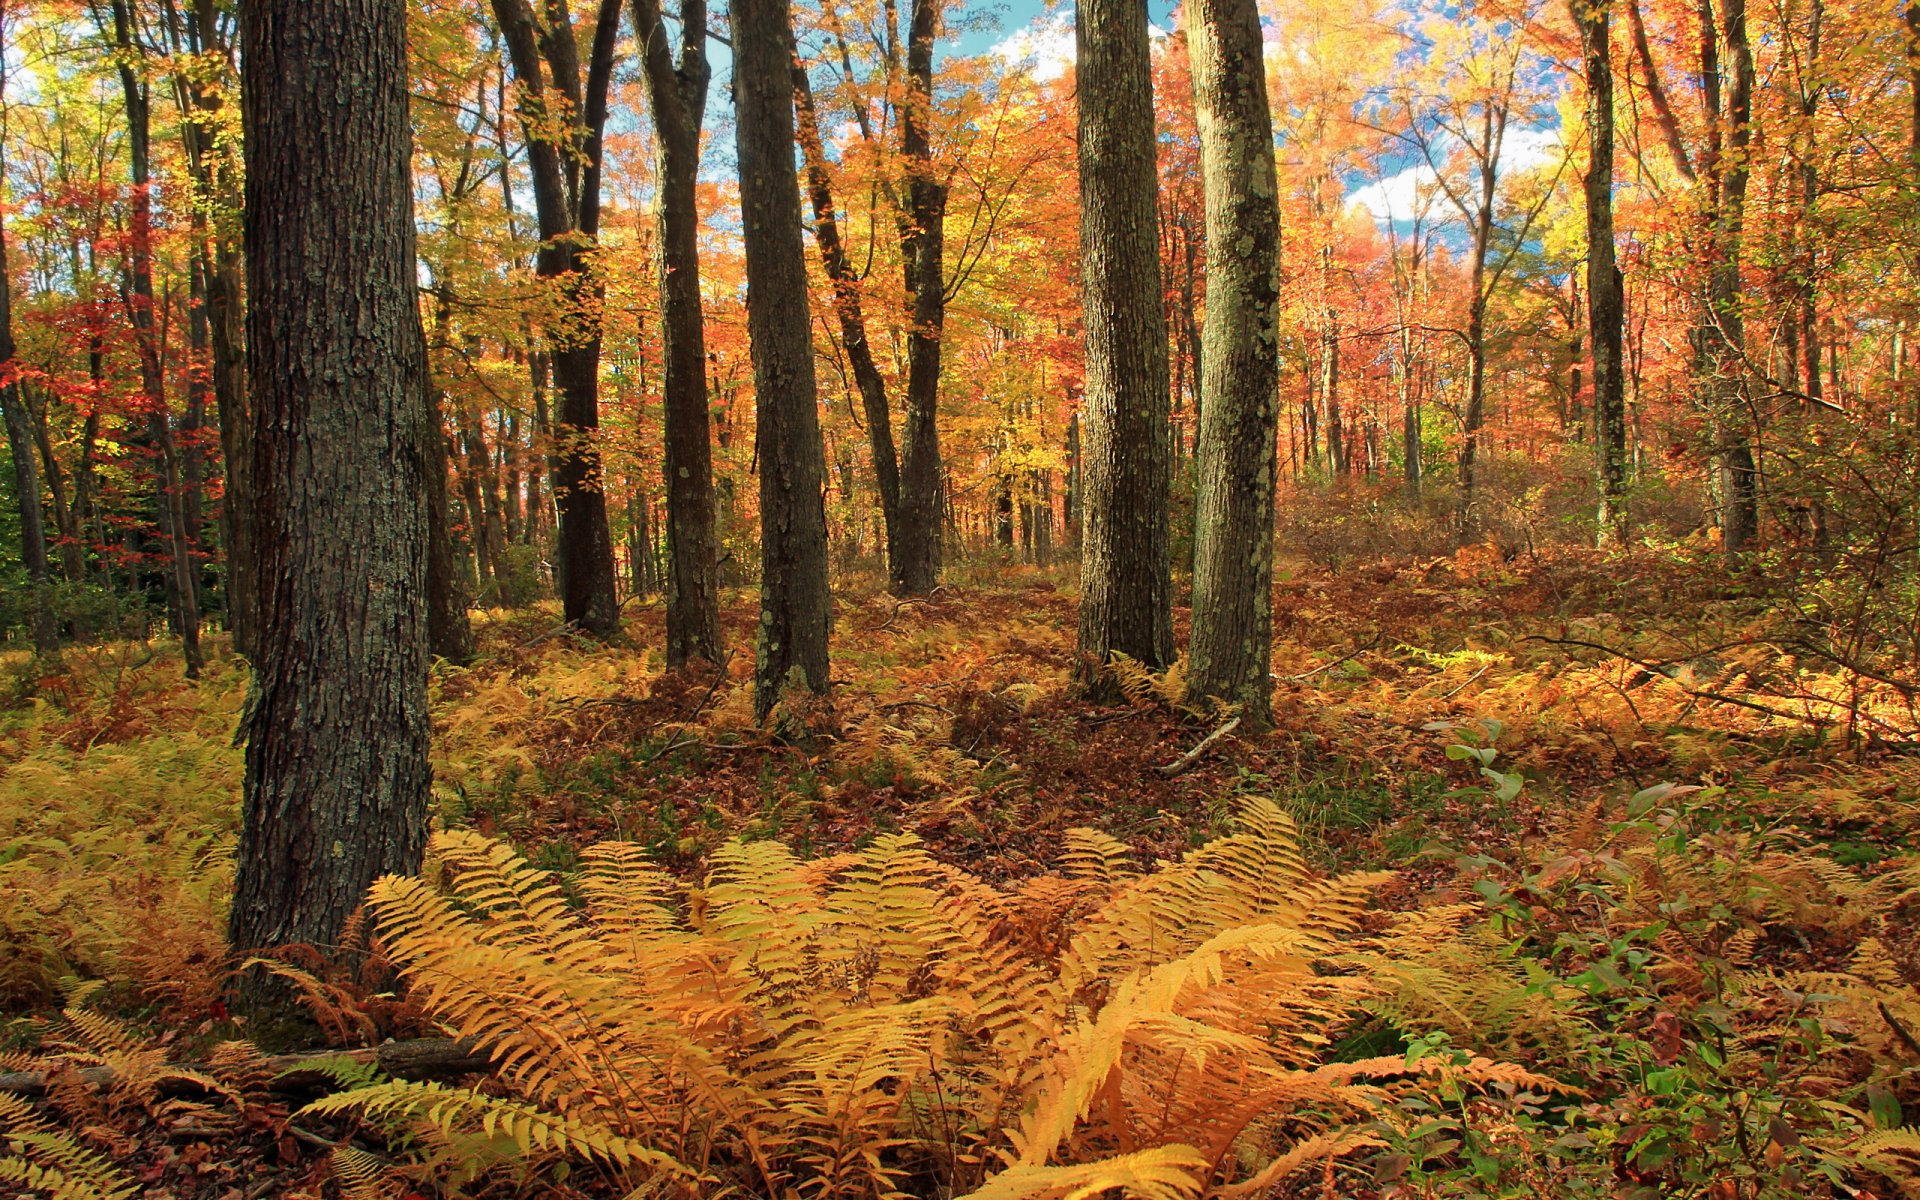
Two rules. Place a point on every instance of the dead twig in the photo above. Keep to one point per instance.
(1183, 764)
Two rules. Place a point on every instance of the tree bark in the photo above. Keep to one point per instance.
(337, 771)
(1726, 328)
(795, 603)
(1231, 654)
(678, 97)
(923, 252)
(1605, 291)
(567, 205)
(1126, 590)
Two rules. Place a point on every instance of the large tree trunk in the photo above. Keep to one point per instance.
(678, 97)
(337, 771)
(795, 604)
(923, 251)
(1606, 299)
(567, 205)
(1231, 655)
(1126, 592)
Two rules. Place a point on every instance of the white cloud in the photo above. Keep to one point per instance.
(1401, 195)
(1044, 47)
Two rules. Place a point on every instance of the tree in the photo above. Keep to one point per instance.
(678, 97)
(1125, 581)
(909, 481)
(1233, 555)
(1606, 301)
(796, 608)
(20, 439)
(563, 118)
(337, 773)
(170, 499)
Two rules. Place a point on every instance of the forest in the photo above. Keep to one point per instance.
(953, 600)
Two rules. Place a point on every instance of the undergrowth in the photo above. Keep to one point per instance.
(1717, 974)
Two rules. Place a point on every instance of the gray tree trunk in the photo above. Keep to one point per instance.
(1605, 292)
(678, 97)
(1126, 591)
(1231, 655)
(796, 607)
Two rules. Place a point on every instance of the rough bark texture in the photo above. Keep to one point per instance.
(1125, 588)
(337, 775)
(916, 566)
(795, 604)
(1606, 303)
(566, 197)
(1231, 655)
(678, 97)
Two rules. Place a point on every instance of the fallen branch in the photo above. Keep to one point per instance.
(1183, 764)
(420, 1058)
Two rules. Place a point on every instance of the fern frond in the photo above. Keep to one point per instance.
(1161, 1173)
(361, 1176)
(454, 1111)
(42, 1158)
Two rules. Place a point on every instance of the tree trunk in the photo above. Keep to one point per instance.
(26, 480)
(449, 632)
(678, 97)
(1126, 591)
(1231, 654)
(337, 771)
(923, 251)
(567, 206)
(795, 603)
(1726, 336)
(1605, 291)
(183, 597)
(853, 324)
(217, 264)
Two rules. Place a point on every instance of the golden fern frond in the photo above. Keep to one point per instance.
(1091, 854)
(45, 1159)
(361, 1176)
(1134, 678)
(1161, 1173)
(532, 1130)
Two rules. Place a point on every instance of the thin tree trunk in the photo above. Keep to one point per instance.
(923, 251)
(678, 97)
(1605, 290)
(796, 607)
(1740, 503)
(1231, 655)
(853, 324)
(20, 442)
(567, 206)
(337, 770)
(181, 586)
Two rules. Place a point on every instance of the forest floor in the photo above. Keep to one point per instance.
(1579, 685)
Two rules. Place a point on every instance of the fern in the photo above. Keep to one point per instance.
(39, 1157)
(881, 1023)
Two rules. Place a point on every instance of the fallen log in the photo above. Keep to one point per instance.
(418, 1058)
